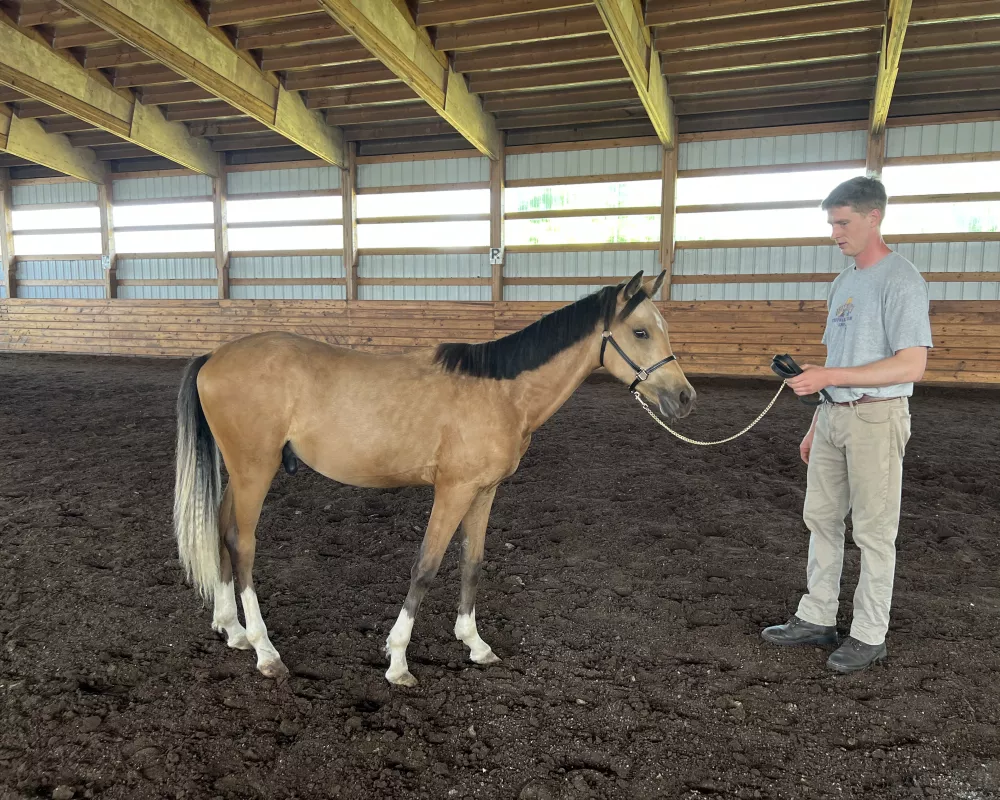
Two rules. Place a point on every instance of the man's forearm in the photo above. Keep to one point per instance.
(904, 367)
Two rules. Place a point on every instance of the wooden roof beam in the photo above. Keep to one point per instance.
(755, 80)
(393, 38)
(571, 22)
(537, 54)
(237, 12)
(27, 139)
(800, 51)
(634, 44)
(888, 65)
(30, 66)
(769, 27)
(671, 12)
(171, 32)
(450, 12)
(942, 10)
(291, 30)
(611, 70)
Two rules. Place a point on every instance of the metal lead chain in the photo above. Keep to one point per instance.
(683, 438)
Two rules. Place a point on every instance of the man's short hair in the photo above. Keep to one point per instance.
(861, 194)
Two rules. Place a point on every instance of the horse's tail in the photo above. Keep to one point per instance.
(197, 490)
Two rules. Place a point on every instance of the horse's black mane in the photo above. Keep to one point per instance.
(539, 343)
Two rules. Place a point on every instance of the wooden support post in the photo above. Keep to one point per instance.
(8, 269)
(497, 184)
(668, 213)
(221, 224)
(349, 191)
(875, 154)
(109, 258)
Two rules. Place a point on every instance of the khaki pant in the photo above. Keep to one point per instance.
(856, 464)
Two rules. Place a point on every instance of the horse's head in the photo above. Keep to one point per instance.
(638, 333)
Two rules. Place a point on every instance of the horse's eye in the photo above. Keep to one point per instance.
(641, 333)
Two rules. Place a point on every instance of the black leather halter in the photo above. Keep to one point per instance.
(640, 373)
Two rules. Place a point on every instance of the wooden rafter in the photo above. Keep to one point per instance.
(633, 41)
(27, 139)
(391, 35)
(30, 66)
(171, 32)
(449, 12)
(768, 27)
(888, 65)
(896, 20)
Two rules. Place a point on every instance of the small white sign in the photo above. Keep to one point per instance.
(106, 262)
(496, 255)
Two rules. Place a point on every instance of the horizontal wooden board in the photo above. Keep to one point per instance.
(710, 338)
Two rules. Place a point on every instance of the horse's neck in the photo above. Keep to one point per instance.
(541, 392)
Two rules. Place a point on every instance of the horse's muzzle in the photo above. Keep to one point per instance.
(677, 405)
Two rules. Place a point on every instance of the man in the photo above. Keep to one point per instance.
(877, 335)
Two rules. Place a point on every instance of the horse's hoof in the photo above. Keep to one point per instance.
(489, 658)
(274, 669)
(406, 679)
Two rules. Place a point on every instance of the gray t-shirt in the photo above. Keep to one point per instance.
(872, 314)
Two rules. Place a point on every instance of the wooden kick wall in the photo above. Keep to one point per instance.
(711, 338)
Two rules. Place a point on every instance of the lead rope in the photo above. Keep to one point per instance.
(683, 438)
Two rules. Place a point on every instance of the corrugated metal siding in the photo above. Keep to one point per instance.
(930, 257)
(284, 180)
(162, 269)
(421, 173)
(579, 163)
(264, 266)
(456, 293)
(47, 193)
(60, 292)
(566, 265)
(805, 148)
(957, 257)
(442, 265)
(178, 291)
(755, 261)
(162, 188)
(59, 270)
(288, 292)
(932, 140)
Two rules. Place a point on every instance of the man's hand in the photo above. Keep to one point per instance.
(811, 380)
(807, 444)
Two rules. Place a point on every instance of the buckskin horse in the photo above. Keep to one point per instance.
(458, 418)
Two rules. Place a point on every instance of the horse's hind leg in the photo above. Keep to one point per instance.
(249, 491)
(225, 619)
(474, 531)
(450, 506)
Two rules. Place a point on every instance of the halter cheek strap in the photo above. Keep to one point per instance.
(640, 373)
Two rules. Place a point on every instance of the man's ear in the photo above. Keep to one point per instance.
(633, 286)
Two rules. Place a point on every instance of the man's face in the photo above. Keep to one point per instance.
(852, 230)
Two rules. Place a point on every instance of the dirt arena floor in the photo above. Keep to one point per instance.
(628, 576)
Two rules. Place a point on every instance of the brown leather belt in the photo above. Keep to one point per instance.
(866, 399)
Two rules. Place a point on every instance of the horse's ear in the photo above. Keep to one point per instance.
(633, 286)
(657, 283)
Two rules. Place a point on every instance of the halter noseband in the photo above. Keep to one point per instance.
(640, 373)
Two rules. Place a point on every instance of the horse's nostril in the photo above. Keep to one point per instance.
(685, 398)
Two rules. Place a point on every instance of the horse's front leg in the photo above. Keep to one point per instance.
(450, 505)
(474, 531)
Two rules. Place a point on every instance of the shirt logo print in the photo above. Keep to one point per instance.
(845, 313)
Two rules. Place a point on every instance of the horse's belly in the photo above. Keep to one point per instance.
(366, 463)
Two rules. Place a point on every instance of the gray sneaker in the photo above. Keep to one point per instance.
(798, 631)
(853, 655)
